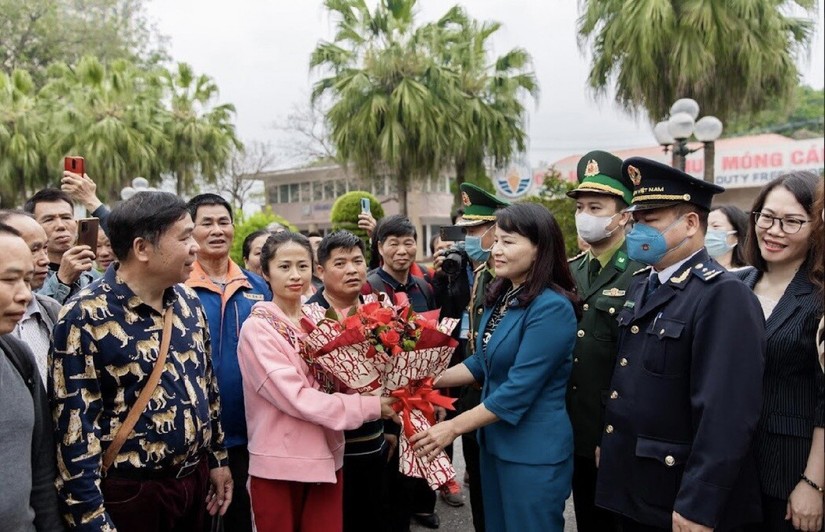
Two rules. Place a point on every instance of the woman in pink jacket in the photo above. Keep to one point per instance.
(296, 443)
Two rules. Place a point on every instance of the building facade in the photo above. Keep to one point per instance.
(305, 196)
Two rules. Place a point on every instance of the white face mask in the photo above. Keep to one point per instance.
(593, 228)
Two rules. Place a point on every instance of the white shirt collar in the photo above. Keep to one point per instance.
(665, 274)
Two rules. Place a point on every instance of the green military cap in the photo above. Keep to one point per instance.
(479, 206)
(658, 185)
(600, 172)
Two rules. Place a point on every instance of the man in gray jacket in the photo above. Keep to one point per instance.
(28, 500)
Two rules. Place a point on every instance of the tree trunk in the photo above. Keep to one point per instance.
(403, 186)
(460, 177)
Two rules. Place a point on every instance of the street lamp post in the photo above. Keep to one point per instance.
(674, 133)
(139, 184)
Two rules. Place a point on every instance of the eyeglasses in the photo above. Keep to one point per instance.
(788, 225)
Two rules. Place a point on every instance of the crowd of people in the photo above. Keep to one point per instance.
(670, 377)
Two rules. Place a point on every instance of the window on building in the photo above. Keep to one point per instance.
(294, 189)
(284, 194)
(272, 195)
(329, 190)
(306, 191)
(317, 191)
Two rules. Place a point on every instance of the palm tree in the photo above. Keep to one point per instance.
(491, 113)
(201, 135)
(392, 102)
(732, 57)
(21, 138)
(111, 115)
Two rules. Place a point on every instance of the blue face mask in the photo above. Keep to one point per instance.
(647, 245)
(472, 245)
(716, 242)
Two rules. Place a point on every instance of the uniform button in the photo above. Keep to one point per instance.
(611, 311)
(480, 311)
(623, 362)
(634, 329)
(580, 334)
(699, 266)
(669, 461)
(575, 388)
(586, 306)
(662, 332)
(609, 429)
(576, 360)
(614, 395)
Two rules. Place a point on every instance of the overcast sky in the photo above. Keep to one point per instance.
(258, 53)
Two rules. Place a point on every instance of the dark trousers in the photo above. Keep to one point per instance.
(405, 496)
(364, 493)
(167, 505)
(629, 525)
(773, 516)
(239, 515)
(589, 518)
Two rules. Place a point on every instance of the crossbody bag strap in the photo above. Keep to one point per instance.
(145, 394)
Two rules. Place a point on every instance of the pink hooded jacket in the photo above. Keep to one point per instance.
(295, 430)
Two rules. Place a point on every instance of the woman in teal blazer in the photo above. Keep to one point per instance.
(523, 359)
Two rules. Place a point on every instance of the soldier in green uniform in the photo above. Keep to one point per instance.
(478, 220)
(603, 274)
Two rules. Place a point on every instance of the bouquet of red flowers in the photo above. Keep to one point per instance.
(379, 345)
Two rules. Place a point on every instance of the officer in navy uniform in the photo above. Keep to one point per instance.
(686, 391)
(603, 275)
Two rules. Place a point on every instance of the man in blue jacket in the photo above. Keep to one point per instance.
(227, 293)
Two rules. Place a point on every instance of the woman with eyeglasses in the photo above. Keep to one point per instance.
(788, 444)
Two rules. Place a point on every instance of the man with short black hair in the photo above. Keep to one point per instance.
(106, 345)
(397, 244)
(227, 293)
(28, 500)
(35, 329)
(342, 267)
(70, 266)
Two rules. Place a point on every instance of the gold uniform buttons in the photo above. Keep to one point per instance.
(634, 329)
(580, 334)
(670, 461)
(611, 311)
(576, 360)
(623, 362)
(614, 395)
(609, 429)
(480, 311)
(586, 306)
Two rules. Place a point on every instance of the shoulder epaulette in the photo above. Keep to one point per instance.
(706, 272)
(645, 269)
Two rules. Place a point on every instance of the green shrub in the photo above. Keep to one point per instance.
(346, 209)
(249, 224)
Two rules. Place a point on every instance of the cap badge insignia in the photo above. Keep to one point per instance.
(635, 175)
(465, 199)
(592, 168)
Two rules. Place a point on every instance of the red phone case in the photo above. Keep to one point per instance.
(76, 165)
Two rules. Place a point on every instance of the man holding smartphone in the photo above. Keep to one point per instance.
(70, 265)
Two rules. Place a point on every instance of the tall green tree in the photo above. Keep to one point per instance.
(113, 116)
(732, 56)
(37, 33)
(201, 133)
(392, 102)
(803, 116)
(21, 137)
(490, 92)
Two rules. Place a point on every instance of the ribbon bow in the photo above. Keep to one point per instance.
(422, 398)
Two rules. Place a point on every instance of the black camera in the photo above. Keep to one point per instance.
(455, 259)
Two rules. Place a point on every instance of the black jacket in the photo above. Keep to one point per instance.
(793, 396)
(44, 466)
